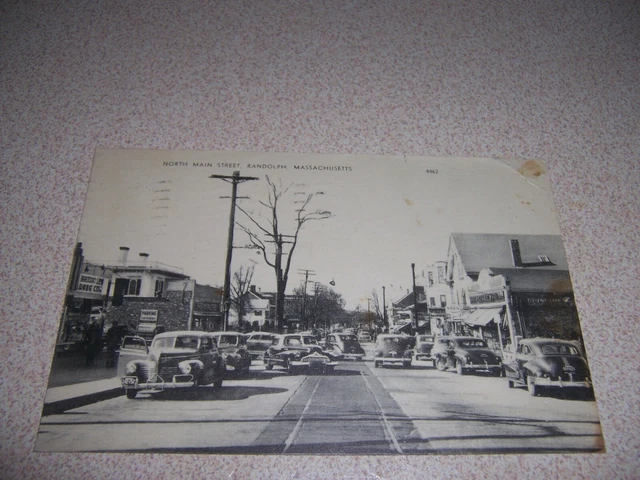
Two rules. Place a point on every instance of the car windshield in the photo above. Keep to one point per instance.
(396, 342)
(228, 340)
(183, 341)
(559, 350)
(471, 343)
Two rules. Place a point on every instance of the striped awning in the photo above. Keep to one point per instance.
(484, 316)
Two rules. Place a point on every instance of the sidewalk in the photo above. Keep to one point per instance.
(73, 384)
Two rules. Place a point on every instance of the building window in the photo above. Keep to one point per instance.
(430, 277)
(257, 313)
(432, 301)
(441, 274)
(159, 291)
(443, 300)
(134, 286)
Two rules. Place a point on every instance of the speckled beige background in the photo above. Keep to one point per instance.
(558, 81)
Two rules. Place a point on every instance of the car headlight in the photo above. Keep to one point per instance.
(185, 368)
(131, 368)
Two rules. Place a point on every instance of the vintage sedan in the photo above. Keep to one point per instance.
(548, 363)
(233, 348)
(299, 352)
(345, 346)
(175, 360)
(424, 345)
(465, 354)
(393, 349)
(258, 343)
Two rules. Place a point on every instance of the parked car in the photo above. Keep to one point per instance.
(233, 348)
(548, 363)
(299, 352)
(365, 337)
(175, 360)
(392, 349)
(465, 354)
(345, 346)
(257, 343)
(424, 345)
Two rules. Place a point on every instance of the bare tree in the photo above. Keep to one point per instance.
(377, 307)
(269, 226)
(239, 289)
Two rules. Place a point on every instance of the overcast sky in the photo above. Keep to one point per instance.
(387, 212)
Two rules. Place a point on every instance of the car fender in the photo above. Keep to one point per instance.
(196, 365)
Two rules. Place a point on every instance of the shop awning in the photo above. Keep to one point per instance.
(482, 317)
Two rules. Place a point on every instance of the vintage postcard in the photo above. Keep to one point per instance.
(270, 303)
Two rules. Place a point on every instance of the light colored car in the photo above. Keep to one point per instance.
(258, 343)
(424, 345)
(365, 337)
(175, 360)
(344, 346)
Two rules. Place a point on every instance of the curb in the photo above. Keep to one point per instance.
(61, 406)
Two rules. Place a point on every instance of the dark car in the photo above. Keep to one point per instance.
(257, 343)
(424, 345)
(299, 352)
(393, 349)
(233, 348)
(345, 346)
(175, 360)
(465, 354)
(548, 363)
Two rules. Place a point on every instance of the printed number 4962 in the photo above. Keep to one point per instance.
(430, 170)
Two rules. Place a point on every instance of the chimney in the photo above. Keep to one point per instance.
(144, 257)
(252, 288)
(515, 252)
(124, 253)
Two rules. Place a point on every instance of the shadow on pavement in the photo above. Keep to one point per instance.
(225, 393)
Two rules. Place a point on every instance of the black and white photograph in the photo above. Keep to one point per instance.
(279, 303)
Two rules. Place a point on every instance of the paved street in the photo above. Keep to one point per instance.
(357, 410)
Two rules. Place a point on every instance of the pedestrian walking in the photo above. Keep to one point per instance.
(92, 342)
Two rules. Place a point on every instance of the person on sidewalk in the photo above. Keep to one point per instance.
(113, 339)
(92, 342)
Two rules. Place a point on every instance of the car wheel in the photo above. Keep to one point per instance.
(376, 364)
(217, 384)
(406, 364)
(131, 393)
(459, 368)
(532, 387)
(441, 364)
(510, 383)
(268, 366)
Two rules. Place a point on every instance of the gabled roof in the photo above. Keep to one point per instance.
(489, 250)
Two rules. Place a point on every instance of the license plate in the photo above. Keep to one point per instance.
(129, 381)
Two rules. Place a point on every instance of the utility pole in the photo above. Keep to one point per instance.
(415, 298)
(234, 180)
(384, 309)
(304, 296)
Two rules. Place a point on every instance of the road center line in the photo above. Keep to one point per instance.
(292, 436)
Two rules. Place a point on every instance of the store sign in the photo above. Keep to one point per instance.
(90, 284)
(148, 321)
(545, 300)
(483, 298)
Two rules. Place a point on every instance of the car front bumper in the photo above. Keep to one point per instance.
(157, 383)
